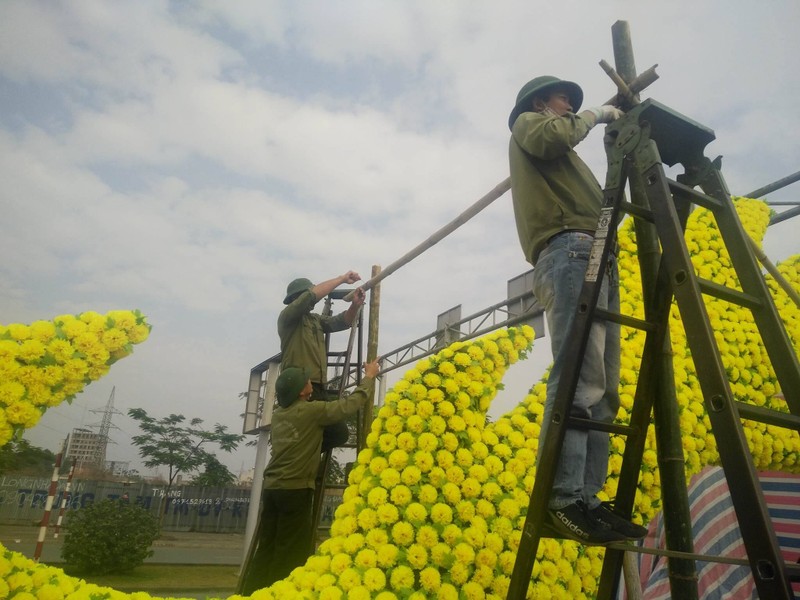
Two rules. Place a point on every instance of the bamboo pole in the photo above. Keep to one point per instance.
(682, 573)
(624, 90)
(500, 189)
(372, 352)
(640, 82)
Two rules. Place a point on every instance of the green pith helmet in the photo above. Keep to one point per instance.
(537, 86)
(296, 287)
(289, 384)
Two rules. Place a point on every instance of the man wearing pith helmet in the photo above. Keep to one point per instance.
(557, 203)
(285, 532)
(302, 335)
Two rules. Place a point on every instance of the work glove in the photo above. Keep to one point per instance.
(605, 113)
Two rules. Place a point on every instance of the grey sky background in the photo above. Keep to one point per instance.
(189, 159)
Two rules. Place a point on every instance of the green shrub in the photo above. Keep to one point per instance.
(108, 537)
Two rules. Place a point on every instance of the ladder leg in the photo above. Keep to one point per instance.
(776, 341)
(754, 520)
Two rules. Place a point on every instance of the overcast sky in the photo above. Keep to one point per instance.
(190, 158)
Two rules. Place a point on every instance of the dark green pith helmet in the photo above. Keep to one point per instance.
(297, 286)
(537, 86)
(289, 384)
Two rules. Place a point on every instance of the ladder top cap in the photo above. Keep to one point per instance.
(678, 137)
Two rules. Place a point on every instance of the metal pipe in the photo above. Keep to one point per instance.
(787, 214)
(767, 189)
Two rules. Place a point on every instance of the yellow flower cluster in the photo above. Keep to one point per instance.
(436, 501)
(47, 362)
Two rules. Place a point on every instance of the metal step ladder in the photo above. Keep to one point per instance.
(637, 146)
(346, 373)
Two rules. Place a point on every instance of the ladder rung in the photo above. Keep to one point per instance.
(696, 196)
(768, 416)
(336, 486)
(792, 569)
(728, 294)
(637, 211)
(606, 315)
(580, 423)
(730, 560)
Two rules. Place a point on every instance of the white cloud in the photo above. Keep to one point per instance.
(190, 160)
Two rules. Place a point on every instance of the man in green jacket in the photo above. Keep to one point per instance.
(284, 536)
(557, 202)
(302, 335)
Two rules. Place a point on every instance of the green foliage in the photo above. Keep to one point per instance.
(19, 456)
(108, 537)
(173, 443)
(180, 446)
(215, 474)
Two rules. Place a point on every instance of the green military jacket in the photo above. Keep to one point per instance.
(302, 335)
(552, 188)
(297, 437)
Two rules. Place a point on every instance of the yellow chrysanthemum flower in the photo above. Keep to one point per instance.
(431, 444)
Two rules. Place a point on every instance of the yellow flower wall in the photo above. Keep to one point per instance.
(436, 502)
(48, 362)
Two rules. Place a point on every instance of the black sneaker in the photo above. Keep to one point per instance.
(575, 523)
(605, 514)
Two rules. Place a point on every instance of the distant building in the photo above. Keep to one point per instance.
(87, 448)
(120, 468)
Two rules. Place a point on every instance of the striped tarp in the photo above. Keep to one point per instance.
(716, 532)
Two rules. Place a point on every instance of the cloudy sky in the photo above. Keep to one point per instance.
(190, 158)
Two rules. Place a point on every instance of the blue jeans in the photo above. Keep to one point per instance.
(557, 282)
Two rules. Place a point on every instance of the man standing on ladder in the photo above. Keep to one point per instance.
(302, 335)
(557, 202)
